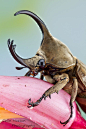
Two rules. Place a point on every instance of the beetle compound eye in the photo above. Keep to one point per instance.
(41, 63)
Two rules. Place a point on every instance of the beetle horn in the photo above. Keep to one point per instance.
(27, 63)
(41, 24)
(24, 62)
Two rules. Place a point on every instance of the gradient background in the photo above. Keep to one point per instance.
(65, 19)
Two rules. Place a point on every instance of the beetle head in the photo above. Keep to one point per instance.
(52, 51)
(35, 64)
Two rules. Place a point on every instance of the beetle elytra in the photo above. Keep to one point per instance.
(56, 63)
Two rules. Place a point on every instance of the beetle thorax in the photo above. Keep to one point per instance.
(57, 53)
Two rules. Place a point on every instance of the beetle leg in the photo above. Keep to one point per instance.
(49, 79)
(73, 97)
(41, 76)
(28, 73)
(62, 81)
(31, 104)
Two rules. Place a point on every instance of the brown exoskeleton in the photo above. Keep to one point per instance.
(56, 63)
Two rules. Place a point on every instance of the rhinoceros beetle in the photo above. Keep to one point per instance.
(56, 63)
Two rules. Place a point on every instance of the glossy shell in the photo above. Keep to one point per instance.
(56, 53)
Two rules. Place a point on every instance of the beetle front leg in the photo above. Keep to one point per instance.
(73, 97)
(62, 81)
(28, 73)
(41, 76)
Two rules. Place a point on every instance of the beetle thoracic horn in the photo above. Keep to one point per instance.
(41, 24)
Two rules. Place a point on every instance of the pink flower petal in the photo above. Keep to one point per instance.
(23, 122)
(5, 125)
(79, 122)
(16, 91)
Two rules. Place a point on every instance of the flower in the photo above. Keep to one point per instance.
(14, 95)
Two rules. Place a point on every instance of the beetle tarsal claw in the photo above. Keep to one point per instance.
(64, 123)
(33, 104)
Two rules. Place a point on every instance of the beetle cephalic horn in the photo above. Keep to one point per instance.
(29, 63)
(41, 24)
(14, 54)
